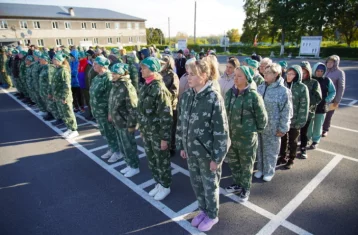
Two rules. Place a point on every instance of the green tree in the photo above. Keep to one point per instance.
(155, 36)
(233, 35)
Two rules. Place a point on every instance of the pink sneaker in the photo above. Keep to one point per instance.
(198, 219)
(207, 224)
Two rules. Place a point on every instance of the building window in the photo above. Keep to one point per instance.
(23, 24)
(58, 42)
(108, 25)
(118, 40)
(55, 25)
(3, 24)
(84, 25)
(138, 38)
(40, 43)
(130, 39)
(136, 26)
(69, 41)
(94, 25)
(67, 25)
(36, 24)
(129, 25)
(85, 39)
(109, 40)
(116, 25)
(95, 40)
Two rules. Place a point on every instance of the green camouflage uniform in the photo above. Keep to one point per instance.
(247, 116)
(258, 79)
(30, 85)
(99, 93)
(155, 118)
(61, 88)
(133, 71)
(51, 103)
(45, 77)
(22, 79)
(203, 134)
(35, 72)
(122, 108)
(5, 78)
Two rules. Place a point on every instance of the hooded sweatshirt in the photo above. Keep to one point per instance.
(313, 88)
(74, 69)
(300, 99)
(338, 78)
(81, 72)
(327, 88)
(226, 82)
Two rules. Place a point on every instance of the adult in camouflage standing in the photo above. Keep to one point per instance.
(44, 84)
(29, 65)
(123, 101)
(8, 64)
(155, 120)
(254, 65)
(171, 81)
(132, 60)
(203, 139)
(61, 87)
(22, 77)
(15, 70)
(278, 104)
(5, 78)
(247, 116)
(300, 101)
(99, 94)
(35, 72)
(315, 94)
(90, 74)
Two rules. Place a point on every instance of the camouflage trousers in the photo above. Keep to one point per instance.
(241, 156)
(128, 147)
(30, 89)
(5, 78)
(24, 88)
(52, 107)
(20, 86)
(267, 154)
(67, 114)
(108, 132)
(158, 160)
(206, 184)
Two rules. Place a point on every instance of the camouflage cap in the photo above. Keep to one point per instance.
(120, 68)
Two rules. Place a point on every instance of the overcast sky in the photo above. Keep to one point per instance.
(213, 16)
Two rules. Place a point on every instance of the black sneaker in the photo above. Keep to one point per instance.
(234, 188)
(244, 195)
(289, 164)
(303, 153)
(314, 145)
(281, 161)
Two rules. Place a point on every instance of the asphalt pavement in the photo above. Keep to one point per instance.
(49, 185)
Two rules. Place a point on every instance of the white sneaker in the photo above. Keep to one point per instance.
(132, 172)
(125, 170)
(72, 135)
(162, 193)
(66, 133)
(115, 157)
(108, 154)
(268, 178)
(258, 174)
(154, 190)
(42, 113)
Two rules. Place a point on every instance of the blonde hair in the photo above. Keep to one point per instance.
(213, 66)
(169, 62)
(266, 61)
(274, 68)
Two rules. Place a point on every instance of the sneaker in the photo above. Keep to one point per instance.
(234, 188)
(268, 178)
(154, 191)
(244, 195)
(314, 145)
(207, 224)
(125, 170)
(42, 113)
(115, 157)
(108, 154)
(304, 153)
(66, 133)
(162, 193)
(131, 172)
(324, 133)
(72, 135)
(289, 164)
(198, 219)
(282, 160)
(258, 174)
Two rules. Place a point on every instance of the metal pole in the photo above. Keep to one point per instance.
(169, 30)
(195, 24)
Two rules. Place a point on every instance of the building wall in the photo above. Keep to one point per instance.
(49, 35)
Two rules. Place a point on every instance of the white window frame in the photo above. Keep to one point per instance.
(85, 40)
(67, 25)
(58, 42)
(94, 24)
(95, 40)
(53, 24)
(3, 24)
(70, 41)
(40, 42)
(130, 39)
(84, 24)
(138, 38)
(117, 25)
(108, 25)
(129, 25)
(36, 24)
(118, 39)
(109, 40)
(23, 24)
(136, 25)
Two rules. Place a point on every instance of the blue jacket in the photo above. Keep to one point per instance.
(74, 69)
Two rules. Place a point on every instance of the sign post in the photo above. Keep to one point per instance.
(310, 46)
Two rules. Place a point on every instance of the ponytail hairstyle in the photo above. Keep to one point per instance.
(234, 62)
(200, 67)
(213, 64)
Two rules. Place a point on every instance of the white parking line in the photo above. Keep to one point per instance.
(278, 219)
(88, 135)
(345, 129)
(82, 124)
(189, 209)
(337, 154)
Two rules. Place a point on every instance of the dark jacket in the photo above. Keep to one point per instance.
(89, 75)
(180, 66)
(16, 67)
(171, 81)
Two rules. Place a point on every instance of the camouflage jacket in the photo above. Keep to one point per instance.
(35, 75)
(29, 78)
(133, 72)
(61, 85)
(202, 129)
(122, 103)
(246, 112)
(3, 59)
(23, 69)
(315, 95)
(258, 79)
(278, 104)
(101, 86)
(51, 70)
(155, 116)
(171, 81)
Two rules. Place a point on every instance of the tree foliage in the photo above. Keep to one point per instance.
(233, 35)
(155, 36)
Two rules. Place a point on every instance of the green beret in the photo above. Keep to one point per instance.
(248, 73)
(102, 61)
(152, 63)
(37, 53)
(59, 57)
(24, 53)
(283, 64)
(30, 58)
(253, 63)
(120, 68)
(115, 51)
(44, 56)
(247, 59)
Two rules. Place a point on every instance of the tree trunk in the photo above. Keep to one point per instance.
(282, 42)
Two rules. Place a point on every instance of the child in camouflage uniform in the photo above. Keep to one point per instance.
(247, 116)
(122, 107)
(203, 139)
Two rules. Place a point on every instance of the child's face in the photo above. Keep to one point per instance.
(319, 73)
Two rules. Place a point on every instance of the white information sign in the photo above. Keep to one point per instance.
(182, 44)
(85, 44)
(310, 45)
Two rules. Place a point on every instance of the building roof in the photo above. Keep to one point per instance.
(14, 10)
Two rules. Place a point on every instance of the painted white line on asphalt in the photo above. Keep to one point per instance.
(347, 99)
(82, 124)
(88, 135)
(84, 119)
(147, 184)
(295, 228)
(98, 148)
(278, 219)
(189, 209)
(354, 106)
(117, 164)
(345, 129)
(352, 102)
(337, 154)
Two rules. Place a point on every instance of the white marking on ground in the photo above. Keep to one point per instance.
(98, 148)
(345, 129)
